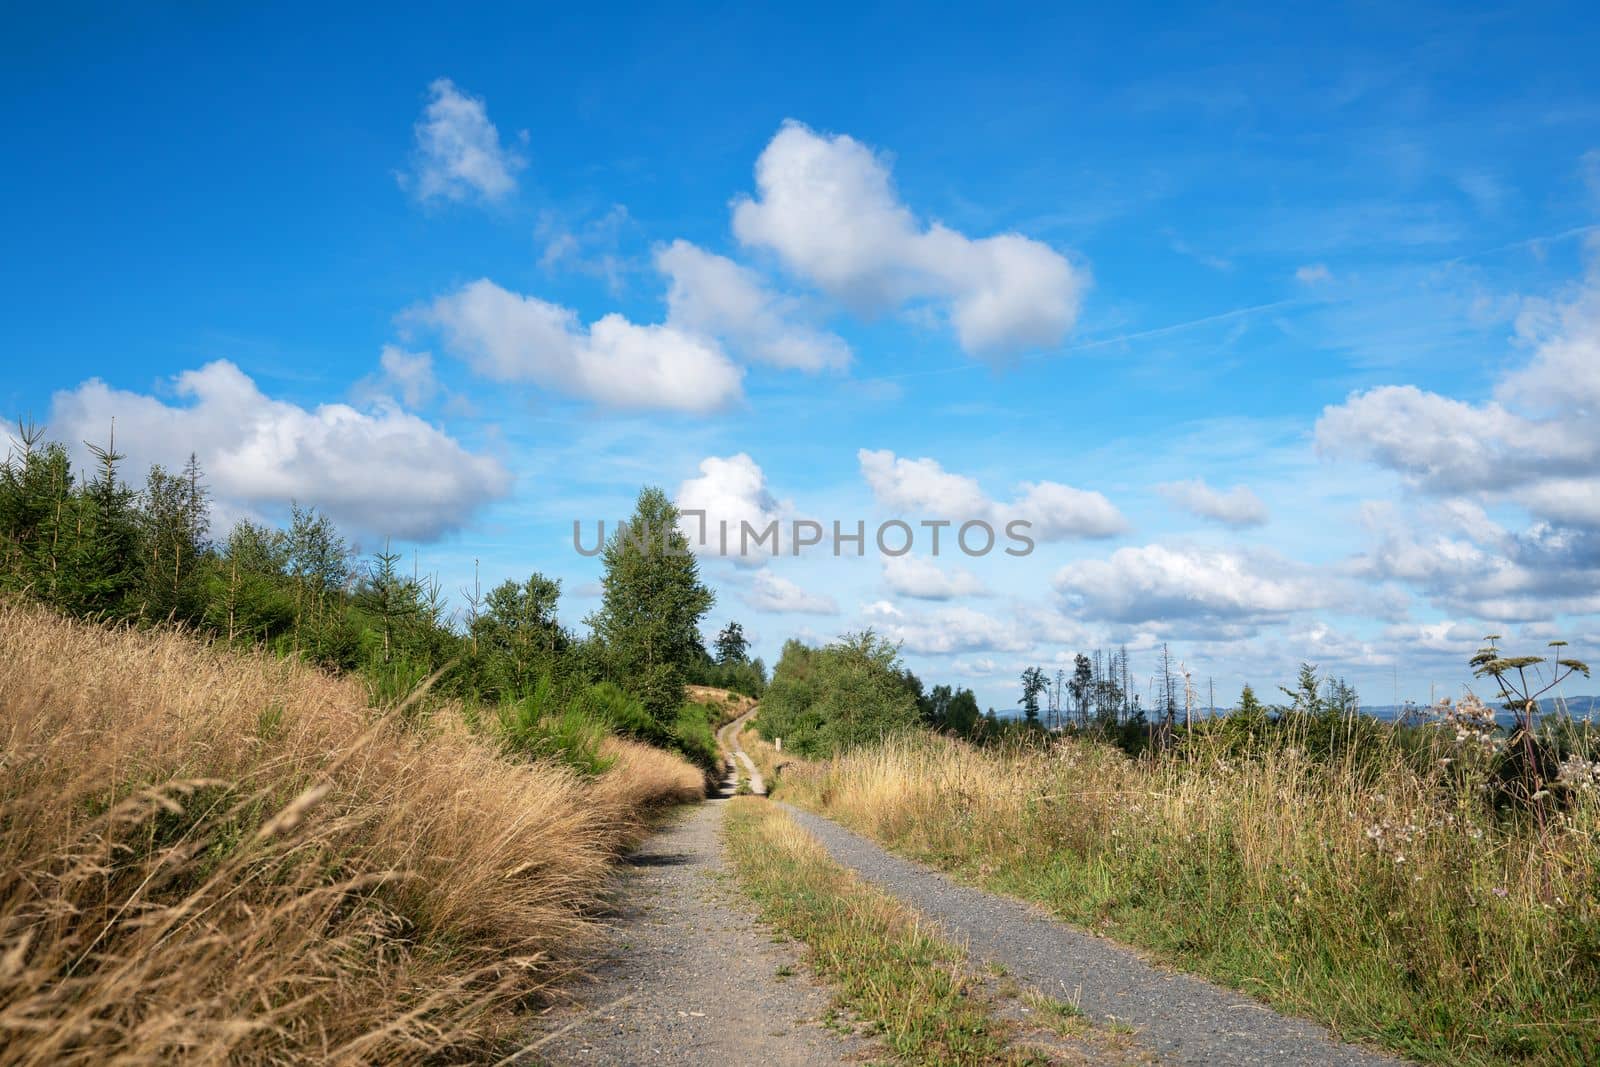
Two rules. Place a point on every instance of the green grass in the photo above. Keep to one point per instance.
(1371, 897)
(885, 966)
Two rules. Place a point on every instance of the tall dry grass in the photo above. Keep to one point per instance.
(1393, 904)
(212, 856)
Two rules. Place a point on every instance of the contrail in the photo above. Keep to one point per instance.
(1136, 335)
(1224, 316)
(1528, 242)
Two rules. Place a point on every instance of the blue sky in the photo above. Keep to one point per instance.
(1283, 329)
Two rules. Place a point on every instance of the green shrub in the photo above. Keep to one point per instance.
(607, 703)
(823, 701)
(693, 736)
(535, 728)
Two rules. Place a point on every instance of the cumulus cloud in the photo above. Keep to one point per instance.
(1470, 565)
(713, 295)
(949, 630)
(509, 337)
(924, 579)
(458, 152)
(923, 487)
(770, 592)
(1161, 584)
(1237, 507)
(826, 206)
(1057, 512)
(381, 472)
(1313, 274)
(1537, 442)
(977, 667)
(731, 491)
(1450, 639)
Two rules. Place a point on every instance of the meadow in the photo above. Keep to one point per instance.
(1380, 889)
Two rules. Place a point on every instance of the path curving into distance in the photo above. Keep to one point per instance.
(692, 977)
(728, 741)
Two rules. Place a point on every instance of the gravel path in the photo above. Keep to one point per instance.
(692, 978)
(1181, 1018)
(728, 739)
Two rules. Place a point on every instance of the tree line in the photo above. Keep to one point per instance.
(92, 546)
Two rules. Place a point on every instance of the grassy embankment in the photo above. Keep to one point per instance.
(216, 855)
(1392, 903)
(918, 989)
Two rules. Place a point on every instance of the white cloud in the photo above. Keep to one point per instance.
(1236, 507)
(924, 579)
(509, 337)
(379, 472)
(951, 629)
(713, 295)
(459, 154)
(1157, 584)
(979, 667)
(769, 592)
(407, 375)
(1468, 564)
(910, 486)
(1536, 443)
(923, 488)
(730, 490)
(1058, 512)
(1449, 638)
(826, 206)
(1313, 274)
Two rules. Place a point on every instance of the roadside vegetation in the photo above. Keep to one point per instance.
(918, 989)
(91, 546)
(267, 802)
(1434, 888)
(216, 854)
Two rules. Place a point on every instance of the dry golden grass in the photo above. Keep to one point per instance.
(769, 760)
(1388, 902)
(727, 704)
(212, 856)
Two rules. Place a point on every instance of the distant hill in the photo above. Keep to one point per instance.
(1579, 707)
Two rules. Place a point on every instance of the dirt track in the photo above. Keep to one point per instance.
(693, 978)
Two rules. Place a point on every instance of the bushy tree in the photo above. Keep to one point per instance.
(248, 594)
(731, 644)
(648, 622)
(961, 716)
(850, 692)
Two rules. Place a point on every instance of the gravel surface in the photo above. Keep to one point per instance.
(1181, 1018)
(728, 740)
(692, 978)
